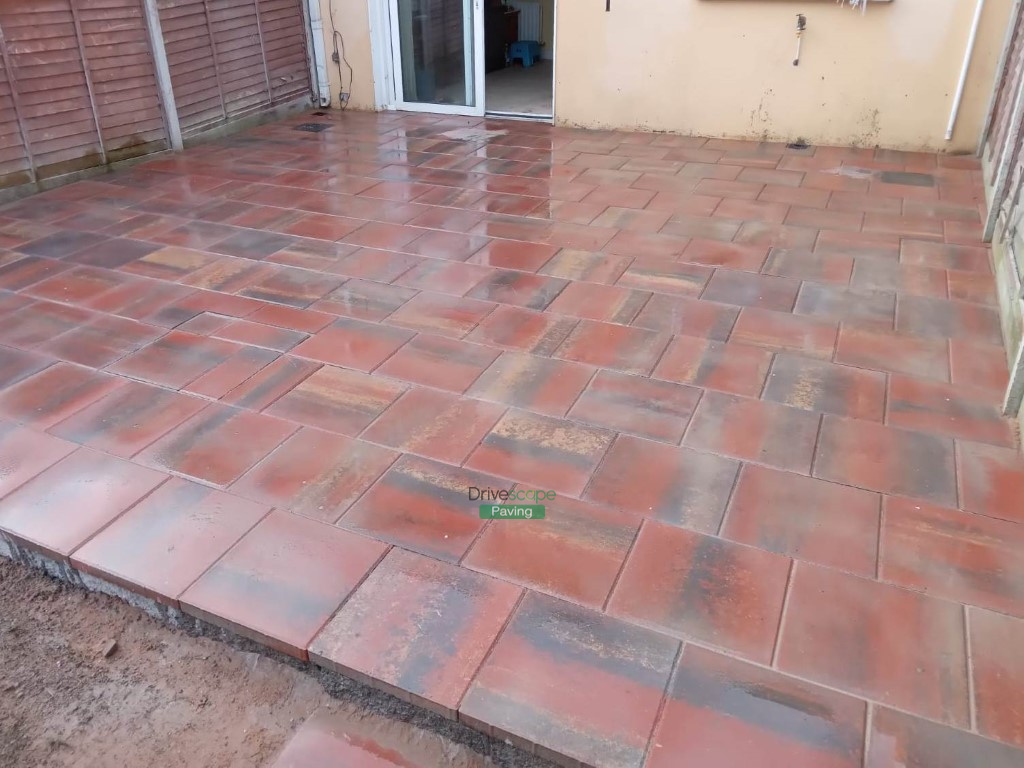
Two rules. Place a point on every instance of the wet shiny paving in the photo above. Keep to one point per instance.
(255, 381)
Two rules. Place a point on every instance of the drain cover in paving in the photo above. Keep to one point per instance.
(312, 127)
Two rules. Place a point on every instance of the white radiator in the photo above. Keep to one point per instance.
(530, 21)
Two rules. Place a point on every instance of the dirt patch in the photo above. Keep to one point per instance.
(160, 698)
(164, 697)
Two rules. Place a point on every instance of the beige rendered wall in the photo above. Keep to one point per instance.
(725, 68)
(352, 21)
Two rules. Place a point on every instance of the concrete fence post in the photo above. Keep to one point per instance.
(163, 73)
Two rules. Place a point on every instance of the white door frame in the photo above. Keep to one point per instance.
(387, 64)
(554, 57)
(380, 54)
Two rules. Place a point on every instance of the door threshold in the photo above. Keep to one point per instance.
(521, 116)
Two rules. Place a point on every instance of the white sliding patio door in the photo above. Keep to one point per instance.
(437, 48)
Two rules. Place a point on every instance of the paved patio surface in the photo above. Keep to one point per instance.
(255, 381)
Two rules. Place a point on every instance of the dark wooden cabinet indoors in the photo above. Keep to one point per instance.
(501, 29)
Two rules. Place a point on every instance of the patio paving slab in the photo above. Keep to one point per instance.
(261, 380)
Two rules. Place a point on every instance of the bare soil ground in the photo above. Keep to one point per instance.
(162, 697)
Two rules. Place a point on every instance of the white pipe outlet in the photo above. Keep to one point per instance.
(963, 69)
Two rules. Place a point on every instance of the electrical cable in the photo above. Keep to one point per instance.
(339, 57)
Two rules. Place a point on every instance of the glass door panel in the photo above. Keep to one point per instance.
(437, 55)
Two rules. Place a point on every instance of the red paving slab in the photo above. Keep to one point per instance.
(58, 510)
(302, 473)
(659, 410)
(100, 341)
(701, 587)
(24, 453)
(664, 482)
(365, 300)
(897, 738)
(720, 706)
(576, 554)
(530, 381)
(128, 419)
(735, 368)
(421, 505)
(58, 391)
(218, 444)
(567, 681)
(998, 671)
(787, 513)
(552, 453)
(805, 518)
(167, 540)
(440, 624)
(864, 636)
(968, 558)
(283, 580)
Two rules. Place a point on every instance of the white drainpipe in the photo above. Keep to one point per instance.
(316, 25)
(964, 68)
